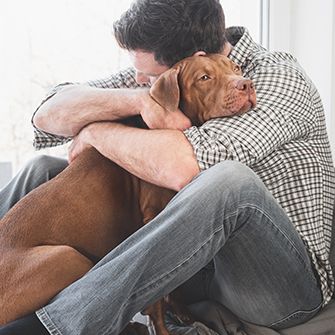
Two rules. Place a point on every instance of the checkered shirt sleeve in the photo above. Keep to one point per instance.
(123, 79)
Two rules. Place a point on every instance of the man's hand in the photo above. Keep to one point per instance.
(151, 155)
(156, 117)
(78, 145)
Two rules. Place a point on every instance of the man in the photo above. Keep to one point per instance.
(250, 226)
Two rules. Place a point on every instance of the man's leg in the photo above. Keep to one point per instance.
(38, 171)
(262, 274)
(221, 204)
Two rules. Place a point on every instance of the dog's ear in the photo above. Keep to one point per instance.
(165, 90)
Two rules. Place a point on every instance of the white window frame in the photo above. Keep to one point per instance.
(264, 29)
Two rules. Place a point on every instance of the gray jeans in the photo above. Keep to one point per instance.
(223, 238)
(36, 172)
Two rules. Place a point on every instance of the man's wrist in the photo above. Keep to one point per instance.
(143, 99)
(90, 134)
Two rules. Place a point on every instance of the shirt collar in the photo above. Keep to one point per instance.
(243, 45)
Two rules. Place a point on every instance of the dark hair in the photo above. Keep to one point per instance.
(172, 29)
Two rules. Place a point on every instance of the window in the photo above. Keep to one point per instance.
(306, 29)
(47, 42)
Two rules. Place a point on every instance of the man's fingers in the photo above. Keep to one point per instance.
(70, 152)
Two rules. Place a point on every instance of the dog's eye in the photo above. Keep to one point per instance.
(237, 68)
(204, 77)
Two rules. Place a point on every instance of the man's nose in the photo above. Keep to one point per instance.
(141, 78)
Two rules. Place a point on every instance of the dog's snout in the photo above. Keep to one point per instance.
(244, 85)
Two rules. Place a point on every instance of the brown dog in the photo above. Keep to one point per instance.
(54, 235)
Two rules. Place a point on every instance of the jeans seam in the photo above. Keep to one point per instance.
(47, 322)
(294, 315)
(310, 273)
(146, 287)
(143, 289)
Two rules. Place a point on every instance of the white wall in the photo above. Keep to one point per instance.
(245, 13)
(332, 106)
(306, 29)
(37, 52)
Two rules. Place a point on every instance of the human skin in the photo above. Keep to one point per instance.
(161, 155)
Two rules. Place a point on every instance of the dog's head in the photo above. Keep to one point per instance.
(205, 87)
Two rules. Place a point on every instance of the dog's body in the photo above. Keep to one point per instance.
(91, 207)
(56, 234)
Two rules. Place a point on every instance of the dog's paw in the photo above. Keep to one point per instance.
(182, 314)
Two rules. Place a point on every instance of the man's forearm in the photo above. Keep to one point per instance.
(74, 107)
(162, 157)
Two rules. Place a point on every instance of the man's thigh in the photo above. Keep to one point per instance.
(264, 275)
(36, 172)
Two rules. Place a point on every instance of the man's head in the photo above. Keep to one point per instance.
(171, 30)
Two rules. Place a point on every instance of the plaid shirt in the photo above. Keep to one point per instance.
(283, 140)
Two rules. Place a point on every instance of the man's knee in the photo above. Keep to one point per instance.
(231, 175)
(36, 172)
(44, 166)
(228, 182)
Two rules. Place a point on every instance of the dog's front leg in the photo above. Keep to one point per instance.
(156, 313)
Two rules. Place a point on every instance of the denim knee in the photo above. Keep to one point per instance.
(44, 167)
(234, 177)
(36, 172)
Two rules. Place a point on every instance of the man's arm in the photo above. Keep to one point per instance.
(75, 106)
(162, 157)
(124, 79)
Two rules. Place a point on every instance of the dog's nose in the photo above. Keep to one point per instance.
(244, 85)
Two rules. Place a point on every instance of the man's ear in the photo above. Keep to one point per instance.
(199, 53)
(165, 90)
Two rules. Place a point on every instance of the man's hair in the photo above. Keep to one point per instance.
(172, 29)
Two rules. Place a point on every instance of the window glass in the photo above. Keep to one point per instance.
(45, 42)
